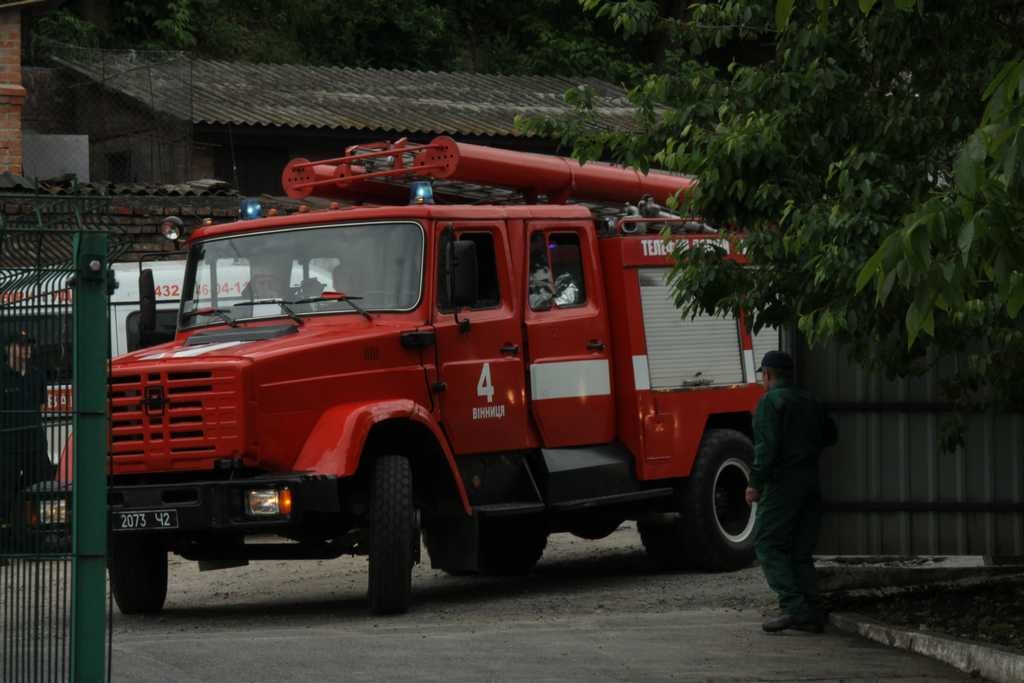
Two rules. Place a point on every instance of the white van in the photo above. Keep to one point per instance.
(49, 323)
(124, 303)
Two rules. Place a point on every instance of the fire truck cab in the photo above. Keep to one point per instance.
(478, 376)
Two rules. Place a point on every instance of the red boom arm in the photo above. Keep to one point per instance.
(442, 158)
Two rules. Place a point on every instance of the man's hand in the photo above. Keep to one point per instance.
(752, 496)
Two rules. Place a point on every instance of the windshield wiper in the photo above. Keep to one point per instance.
(280, 302)
(218, 312)
(336, 296)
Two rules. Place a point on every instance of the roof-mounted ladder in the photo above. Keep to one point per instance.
(353, 176)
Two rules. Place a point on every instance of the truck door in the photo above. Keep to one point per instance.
(567, 336)
(483, 403)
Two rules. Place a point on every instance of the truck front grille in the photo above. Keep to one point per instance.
(167, 420)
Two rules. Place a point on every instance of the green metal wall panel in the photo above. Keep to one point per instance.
(889, 486)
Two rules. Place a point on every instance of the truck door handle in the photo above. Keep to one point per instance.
(595, 345)
(510, 349)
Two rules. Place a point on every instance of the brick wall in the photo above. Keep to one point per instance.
(12, 94)
(138, 217)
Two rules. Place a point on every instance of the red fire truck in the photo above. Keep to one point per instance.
(478, 366)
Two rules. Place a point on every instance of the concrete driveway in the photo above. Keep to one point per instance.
(592, 611)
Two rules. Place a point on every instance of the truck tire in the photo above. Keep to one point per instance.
(511, 547)
(138, 574)
(715, 527)
(393, 535)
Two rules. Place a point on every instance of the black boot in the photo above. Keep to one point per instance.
(786, 621)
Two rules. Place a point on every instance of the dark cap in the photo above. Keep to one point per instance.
(776, 360)
(20, 337)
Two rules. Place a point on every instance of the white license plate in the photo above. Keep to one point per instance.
(142, 520)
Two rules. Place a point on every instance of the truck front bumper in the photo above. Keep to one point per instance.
(219, 506)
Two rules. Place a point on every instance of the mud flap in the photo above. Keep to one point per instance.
(453, 542)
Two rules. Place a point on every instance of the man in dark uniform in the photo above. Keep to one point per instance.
(790, 430)
(23, 455)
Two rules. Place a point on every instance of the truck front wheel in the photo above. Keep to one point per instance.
(714, 527)
(138, 574)
(394, 536)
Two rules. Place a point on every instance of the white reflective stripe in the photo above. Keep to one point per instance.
(748, 366)
(641, 373)
(200, 350)
(570, 379)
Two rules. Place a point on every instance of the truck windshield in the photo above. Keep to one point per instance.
(379, 265)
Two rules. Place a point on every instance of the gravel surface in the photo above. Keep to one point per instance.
(575, 577)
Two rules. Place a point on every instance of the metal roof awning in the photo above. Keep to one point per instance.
(211, 92)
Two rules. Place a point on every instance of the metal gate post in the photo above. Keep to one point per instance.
(89, 505)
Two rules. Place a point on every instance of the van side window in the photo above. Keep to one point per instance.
(556, 271)
(488, 292)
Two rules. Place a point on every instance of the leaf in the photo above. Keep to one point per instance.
(1009, 159)
(917, 245)
(870, 269)
(966, 236)
(913, 323)
(1016, 300)
(1004, 74)
(967, 167)
(886, 288)
(866, 5)
(783, 10)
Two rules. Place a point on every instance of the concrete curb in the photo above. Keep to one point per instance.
(990, 662)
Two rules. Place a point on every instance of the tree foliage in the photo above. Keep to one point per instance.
(851, 143)
(534, 36)
(867, 152)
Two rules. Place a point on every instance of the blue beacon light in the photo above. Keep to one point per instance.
(250, 209)
(421, 192)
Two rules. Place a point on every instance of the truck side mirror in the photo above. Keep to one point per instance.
(464, 282)
(147, 303)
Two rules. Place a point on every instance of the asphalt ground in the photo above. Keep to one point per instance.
(591, 611)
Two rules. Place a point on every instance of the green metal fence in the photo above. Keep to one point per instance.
(54, 345)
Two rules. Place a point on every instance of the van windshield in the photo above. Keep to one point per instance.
(379, 265)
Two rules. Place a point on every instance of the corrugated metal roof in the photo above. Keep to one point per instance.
(67, 185)
(424, 102)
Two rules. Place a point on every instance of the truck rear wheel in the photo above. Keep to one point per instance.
(511, 547)
(138, 574)
(394, 536)
(715, 527)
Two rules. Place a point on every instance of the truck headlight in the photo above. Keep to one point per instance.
(52, 511)
(268, 502)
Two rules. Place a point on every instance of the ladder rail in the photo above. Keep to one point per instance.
(559, 179)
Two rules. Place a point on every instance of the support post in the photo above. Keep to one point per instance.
(89, 494)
